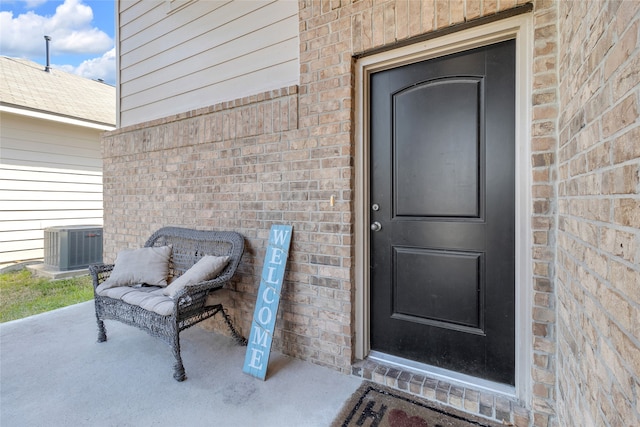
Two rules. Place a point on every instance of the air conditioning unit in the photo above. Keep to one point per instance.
(72, 247)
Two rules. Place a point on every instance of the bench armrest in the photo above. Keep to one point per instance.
(198, 292)
(100, 273)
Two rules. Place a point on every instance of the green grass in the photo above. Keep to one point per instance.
(22, 294)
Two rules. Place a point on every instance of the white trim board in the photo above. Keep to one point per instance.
(520, 28)
(55, 118)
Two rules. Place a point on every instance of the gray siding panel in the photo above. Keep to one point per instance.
(202, 53)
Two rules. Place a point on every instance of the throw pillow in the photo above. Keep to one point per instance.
(207, 268)
(144, 265)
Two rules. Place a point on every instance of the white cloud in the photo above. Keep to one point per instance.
(70, 30)
(33, 3)
(103, 67)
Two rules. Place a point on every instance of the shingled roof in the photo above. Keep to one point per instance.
(25, 85)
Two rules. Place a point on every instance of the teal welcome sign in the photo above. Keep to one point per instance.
(264, 315)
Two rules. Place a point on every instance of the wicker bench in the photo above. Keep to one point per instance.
(182, 310)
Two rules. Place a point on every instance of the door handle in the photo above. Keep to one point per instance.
(376, 226)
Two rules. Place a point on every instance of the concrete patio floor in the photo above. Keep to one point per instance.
(54, 373)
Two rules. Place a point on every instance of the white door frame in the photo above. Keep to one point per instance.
(520, 28)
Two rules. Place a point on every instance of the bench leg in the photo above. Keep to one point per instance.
(102, 332)
(178, 368)
(236, 336)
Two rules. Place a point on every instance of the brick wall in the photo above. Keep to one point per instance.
(543, 223)
(278, 157)
(598, 255)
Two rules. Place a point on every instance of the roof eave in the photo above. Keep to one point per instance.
(47, 115)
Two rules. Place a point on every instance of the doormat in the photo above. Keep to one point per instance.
(373, 405)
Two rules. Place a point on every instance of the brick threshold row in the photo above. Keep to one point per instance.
(494, 407)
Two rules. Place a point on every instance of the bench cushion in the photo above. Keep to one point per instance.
(146, 297)
(145, 265)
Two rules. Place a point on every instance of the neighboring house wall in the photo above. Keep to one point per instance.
(50, 175)
(598, 256)
(176, 55)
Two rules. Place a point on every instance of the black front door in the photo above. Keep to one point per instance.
(442, 213)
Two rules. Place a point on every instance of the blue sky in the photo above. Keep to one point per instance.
(82, 34)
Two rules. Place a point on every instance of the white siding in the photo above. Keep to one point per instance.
(202, 53)
(50, 175)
